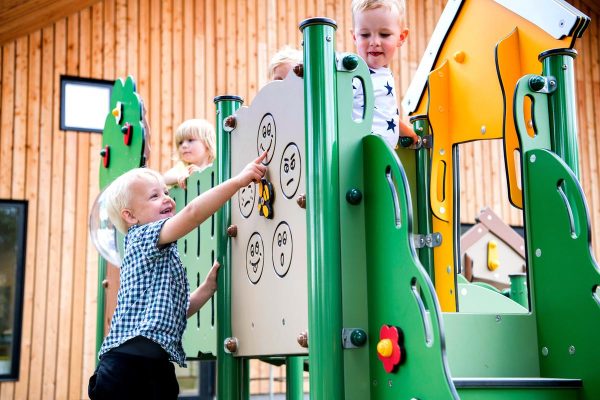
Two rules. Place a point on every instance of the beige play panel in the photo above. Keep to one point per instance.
(269, 278)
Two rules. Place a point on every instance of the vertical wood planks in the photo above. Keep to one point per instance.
(181, 53)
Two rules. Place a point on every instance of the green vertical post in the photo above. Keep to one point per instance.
(423, 161)
(322, 211)
(229, 369)
(294, 383)
(558, 66)
(100, 305)
(518, 289)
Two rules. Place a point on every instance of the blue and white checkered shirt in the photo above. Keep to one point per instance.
(154, 294)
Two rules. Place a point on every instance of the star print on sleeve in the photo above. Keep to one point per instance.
(389, 88)
(391, 125)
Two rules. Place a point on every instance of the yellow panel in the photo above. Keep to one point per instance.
(465, 102)
(510, 72)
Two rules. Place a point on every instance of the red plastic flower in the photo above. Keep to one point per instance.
(388, 348)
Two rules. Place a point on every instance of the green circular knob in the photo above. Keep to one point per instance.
(350, 62)
(537, 83)
(406, 141)
(358, 337)
(353, 196)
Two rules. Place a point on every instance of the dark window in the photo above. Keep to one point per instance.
(13, 223)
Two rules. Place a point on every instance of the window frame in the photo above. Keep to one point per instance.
(21, 239)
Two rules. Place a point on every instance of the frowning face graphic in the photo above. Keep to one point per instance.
(290, 170)
(246, 197)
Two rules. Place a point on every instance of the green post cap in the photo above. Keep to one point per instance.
(353, 196)
(537, 83)
(350, 62)
(406, 141)
(358, 337)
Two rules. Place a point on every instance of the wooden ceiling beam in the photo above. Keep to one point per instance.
(20, 17)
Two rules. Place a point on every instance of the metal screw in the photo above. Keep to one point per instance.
(545, 351)
(231, 344)
(303, 339)
(532, 158)
(538, 252)
(571, 350)
(483, 129)
(328, 38)
(389, 382)
(232, 231)
(498, 318)
(301, 201)
(229, 123)
(565, 67)
(299, 70)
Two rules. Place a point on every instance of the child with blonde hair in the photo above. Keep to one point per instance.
(154, 298)
(379, 29)
(283, 61)
(195, 148)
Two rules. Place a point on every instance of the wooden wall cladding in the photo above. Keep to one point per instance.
(182, 54)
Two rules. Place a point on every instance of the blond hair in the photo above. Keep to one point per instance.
(117, 195)
(359, 6)
(199, 129)
(287, 55)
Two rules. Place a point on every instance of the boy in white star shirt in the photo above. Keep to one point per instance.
(379, 29)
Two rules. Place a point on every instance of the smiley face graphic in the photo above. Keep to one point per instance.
(255, 257)
(246, 197)
(282, 249)
(290, 170)
(266, 137)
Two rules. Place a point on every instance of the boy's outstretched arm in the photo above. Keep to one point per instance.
(205, 291)
(205, 205)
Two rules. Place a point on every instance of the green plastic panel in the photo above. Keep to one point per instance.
(399, 289)
(122, 157)
(491, 345)
(564, 274)
(519, 394)
(197, 251)
(477, 298)
(352, 231)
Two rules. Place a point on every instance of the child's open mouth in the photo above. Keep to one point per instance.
(166, 211)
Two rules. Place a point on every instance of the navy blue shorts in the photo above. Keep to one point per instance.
(125, 376)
